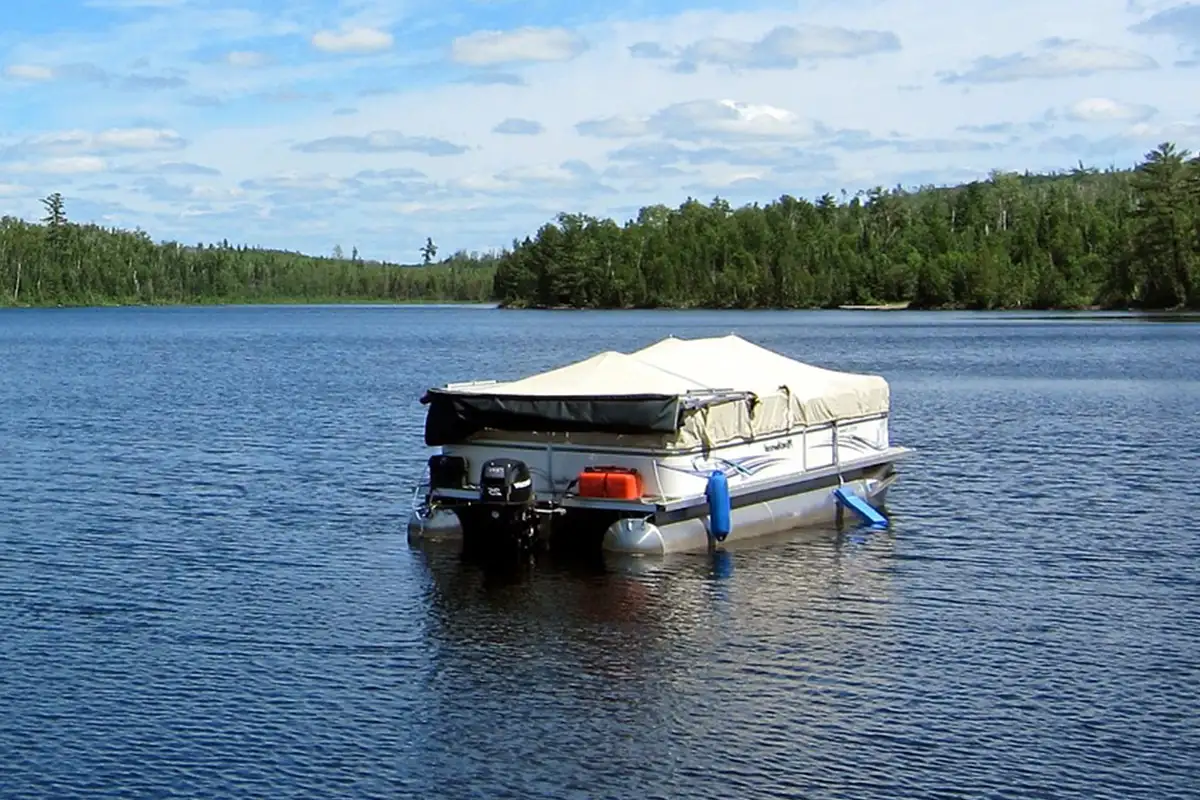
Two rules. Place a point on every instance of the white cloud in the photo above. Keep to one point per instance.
(246, 58)
(63, 165)
(1180, 21)
(719, 119)
(697, 120)
(1103, 109)
(575, 176)
(77, 147)
(783, 47)
(663, 156)
(485, 48)
(627, 111)
(293, 179)
(353, 40)
(139, 139)
(1184, 131)
(1054, 58)
(382, 142)
(486, 182)
(29, 72)
(516, 126)
(168, 168)
(619, 127)
(538, 173)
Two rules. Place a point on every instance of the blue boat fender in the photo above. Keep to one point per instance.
(720, 508)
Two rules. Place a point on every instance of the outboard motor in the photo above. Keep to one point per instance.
(506, 493)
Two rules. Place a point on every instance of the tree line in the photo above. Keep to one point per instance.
(58, 262)
(1082, 238)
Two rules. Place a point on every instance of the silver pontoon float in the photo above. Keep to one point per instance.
(674, 447)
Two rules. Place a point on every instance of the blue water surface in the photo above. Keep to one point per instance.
(205, 588)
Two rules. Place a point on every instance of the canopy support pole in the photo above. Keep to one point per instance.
(837, 456)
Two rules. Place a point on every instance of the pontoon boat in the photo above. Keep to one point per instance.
(675, 447)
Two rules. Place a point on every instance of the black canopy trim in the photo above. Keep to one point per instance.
(452, 417)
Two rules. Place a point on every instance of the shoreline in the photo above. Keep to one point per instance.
(245, 302)
(891, 308)
(886, 307)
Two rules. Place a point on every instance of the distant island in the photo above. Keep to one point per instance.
(1076, 239)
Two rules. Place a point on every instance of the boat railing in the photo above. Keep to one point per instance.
(837, 456)
(469, 384)
(420, 496)
(696, 398)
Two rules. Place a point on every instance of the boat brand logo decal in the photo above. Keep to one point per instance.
(746, 465)
(786, 444)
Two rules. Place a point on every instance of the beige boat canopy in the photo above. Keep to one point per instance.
(680, 392)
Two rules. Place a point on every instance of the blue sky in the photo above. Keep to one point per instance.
(373, 124)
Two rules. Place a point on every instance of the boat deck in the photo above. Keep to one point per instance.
(668, 505)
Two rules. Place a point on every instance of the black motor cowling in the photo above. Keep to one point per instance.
(506, 481)
(505, 514)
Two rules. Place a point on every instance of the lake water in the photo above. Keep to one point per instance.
(205, 588)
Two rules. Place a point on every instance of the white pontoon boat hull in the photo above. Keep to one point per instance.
(656, 533)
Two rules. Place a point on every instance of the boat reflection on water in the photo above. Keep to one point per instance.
(637, 668)
(604, 615)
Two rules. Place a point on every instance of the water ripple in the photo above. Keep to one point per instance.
(205, 589)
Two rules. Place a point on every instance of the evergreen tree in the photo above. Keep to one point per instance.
(429, 251)
(1164, 246)
(1066, 240)
(1083, 237)
(59, 262)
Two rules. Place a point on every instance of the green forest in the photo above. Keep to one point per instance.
(1077, 239)
(59, 262)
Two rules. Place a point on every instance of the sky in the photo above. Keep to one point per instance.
(373, 124)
